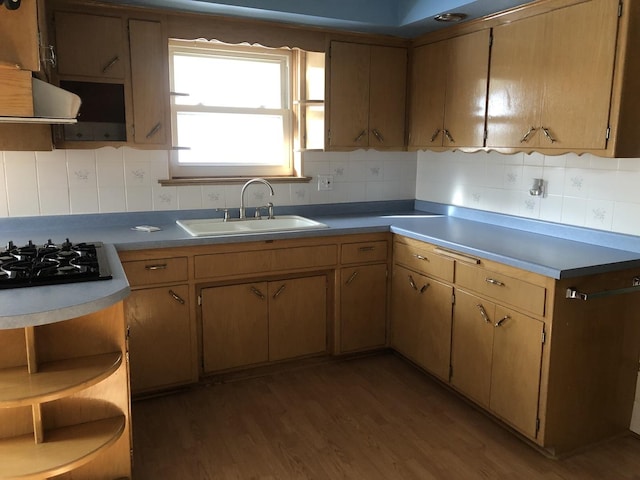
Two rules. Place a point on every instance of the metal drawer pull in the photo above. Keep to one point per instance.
(351, 278)
(378, 135)
(257, 292)
(412, 283)
(435, 135)
(572, 293)
(161, 266)
(176, 296)
(359, 137)
(483, 313)
(547, 134)
(424, 287)
(493, 281)
(420, 257)
(449, 137)
(279, 291)
(366, 249)
(154, 130)
(111, 63)
(526, 136)
(501, 321)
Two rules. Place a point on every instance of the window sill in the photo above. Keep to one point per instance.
(173, 182)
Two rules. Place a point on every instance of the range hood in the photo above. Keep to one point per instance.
(51, 105)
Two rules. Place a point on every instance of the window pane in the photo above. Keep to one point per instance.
(231, 139)
(228, 81)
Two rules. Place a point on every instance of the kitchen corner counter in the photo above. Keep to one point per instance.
(41, 305)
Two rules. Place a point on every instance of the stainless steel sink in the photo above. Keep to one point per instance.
(208, 227)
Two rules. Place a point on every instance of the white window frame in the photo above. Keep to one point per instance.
(217, 170)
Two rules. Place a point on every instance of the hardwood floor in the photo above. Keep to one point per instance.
(370, 418)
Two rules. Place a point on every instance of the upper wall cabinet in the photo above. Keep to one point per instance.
(448, 92)
(19, 39)
(551, 78)
(366, 97)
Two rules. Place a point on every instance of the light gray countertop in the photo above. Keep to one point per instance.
(544, 254)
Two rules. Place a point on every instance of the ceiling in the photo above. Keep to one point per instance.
(403, 18)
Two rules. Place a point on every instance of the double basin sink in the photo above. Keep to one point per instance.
(208, 227)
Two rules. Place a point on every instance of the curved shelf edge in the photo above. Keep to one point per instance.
(55, 380)
(64, 449)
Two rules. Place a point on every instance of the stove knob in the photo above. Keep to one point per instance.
(10, 245)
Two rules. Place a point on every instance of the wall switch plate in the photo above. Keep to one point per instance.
(325, 182)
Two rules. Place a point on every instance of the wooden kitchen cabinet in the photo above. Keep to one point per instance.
(64, 401)
(148, 82)
(367, 97)
(421, 320)
(158, 313)
(20, 35)
(496, 357)
(551, 79)
(448, 92)
(258, 322)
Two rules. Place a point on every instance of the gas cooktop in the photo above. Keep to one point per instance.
(31, 265)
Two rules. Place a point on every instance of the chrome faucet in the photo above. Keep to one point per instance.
(244, 187)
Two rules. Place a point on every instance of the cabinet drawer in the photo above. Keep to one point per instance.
(424, 260)
(521, 294)
(158, 270)
(259, 261)
(362, 252)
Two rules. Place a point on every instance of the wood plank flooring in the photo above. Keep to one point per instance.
(373, 418)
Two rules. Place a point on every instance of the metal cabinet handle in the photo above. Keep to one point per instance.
(525, 137)
(547, 134)
(351, 278)
(483, 313)
(111, 63)
(279, 291)
(412, 283)
(154, 130)
(359, 137)
(378, 135)
(501, 321)
(435, 135)
(162, 266)
(49, 56)
(424, 287)
(257, 292)
(448, 135)
(366, 249)
(493, 281)
(176, 296)
(420, 257)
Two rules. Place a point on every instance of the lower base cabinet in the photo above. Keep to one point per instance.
(160, 338)
(253, 323)
(421, 320)
(496, 356)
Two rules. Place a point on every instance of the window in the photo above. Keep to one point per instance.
(231, 109)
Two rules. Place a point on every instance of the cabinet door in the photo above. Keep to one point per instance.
(363, 307)
(428, 82)
(422, 309)
(160, 344)
(297, 317)
(90, 45)
(388, 85)
(234, 326)
(349, 95)
(472, 346)
(515, 85)
(578, 66)
(517, 358)
(466, 90)
(19, 42)
(148, 75)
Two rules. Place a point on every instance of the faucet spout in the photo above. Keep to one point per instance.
(244, 188)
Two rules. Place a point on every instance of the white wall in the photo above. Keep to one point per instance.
(586, 191)
(125, 180)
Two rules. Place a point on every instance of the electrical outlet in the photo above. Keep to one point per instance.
(325, 182)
